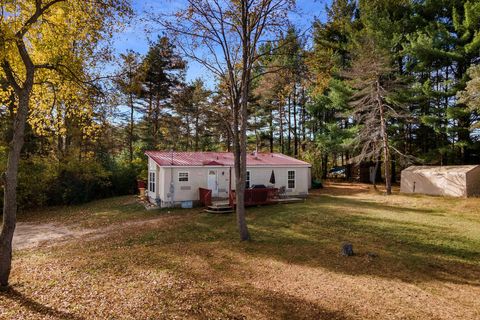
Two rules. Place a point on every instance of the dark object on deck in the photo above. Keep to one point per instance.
(272, 178)
(317, 184)
(256, 197)
(347, 250)
(258, 186)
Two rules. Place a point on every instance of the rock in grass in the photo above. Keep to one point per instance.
(347, 250)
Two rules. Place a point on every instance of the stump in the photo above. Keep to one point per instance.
(347, 250)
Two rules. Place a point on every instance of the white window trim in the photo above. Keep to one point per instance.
(152, 182)
(188, 176)
(294, 179)
(249, 176)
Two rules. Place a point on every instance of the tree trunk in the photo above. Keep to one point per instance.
(280, 112)
(197, 126)
(271, 130)
(384, 135)
(130, 138)
(394, 169)
(10, 178)
(295, 129)
(324, 166)
(289, 127)
(241, 129)
(304, 120)
(187, 122)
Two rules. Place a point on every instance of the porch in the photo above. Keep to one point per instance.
(253, 197)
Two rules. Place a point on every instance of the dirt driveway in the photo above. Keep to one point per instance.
(29, 235)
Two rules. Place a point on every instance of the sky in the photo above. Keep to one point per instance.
(134, 37)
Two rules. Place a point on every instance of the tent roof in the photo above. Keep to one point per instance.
(169, 158)
(442, 169)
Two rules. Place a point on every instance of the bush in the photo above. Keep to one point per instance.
(79, 182)
(35, 177)
(124, 180)
(45, 181)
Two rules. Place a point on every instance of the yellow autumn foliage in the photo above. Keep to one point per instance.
(65, 44)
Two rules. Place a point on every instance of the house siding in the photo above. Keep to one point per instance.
(198, 178)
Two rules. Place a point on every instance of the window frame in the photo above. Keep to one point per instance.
(152, 185)
(183, 172)
(294, 180)
(248, 179)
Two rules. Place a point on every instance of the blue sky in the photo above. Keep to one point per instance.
(135, 38)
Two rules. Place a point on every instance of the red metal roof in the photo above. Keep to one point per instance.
(169, 158)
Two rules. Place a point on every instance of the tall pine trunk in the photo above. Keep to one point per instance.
(289, 127)
(384, 135)
(295, 129)
(280, 112)
(271, 129)
(130, 132)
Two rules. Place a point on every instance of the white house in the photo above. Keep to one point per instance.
(175, 177)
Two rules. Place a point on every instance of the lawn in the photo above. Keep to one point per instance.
(417, 257)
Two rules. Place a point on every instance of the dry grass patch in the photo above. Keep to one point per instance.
(189, 264)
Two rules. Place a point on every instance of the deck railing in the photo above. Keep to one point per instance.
(205, 196)
(255, 197)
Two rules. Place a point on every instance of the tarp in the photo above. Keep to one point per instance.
(456, 181)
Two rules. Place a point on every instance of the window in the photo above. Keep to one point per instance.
(183, 176)
(151, 181)
(247, 180)
(291, 179)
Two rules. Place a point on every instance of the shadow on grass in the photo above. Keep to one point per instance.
(32, 305)
(312, 233)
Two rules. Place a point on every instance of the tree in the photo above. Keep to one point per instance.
(471, 95)
(442, 45)
(129, 82)
(230, 32)
(40, 38)
(371, 76)
(191, 103)
(329, 92)
(163, 73)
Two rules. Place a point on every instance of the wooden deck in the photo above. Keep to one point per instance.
(223, 206)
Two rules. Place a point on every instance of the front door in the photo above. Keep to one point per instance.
(212, 182)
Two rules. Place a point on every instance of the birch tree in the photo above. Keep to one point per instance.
(224, 36)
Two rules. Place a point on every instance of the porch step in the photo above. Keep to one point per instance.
(219, 209)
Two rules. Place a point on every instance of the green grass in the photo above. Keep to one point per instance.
(413, 241)
(188, 263)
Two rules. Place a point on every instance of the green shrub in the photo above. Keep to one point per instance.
(35, 177)
(79, 182)
(46, 181)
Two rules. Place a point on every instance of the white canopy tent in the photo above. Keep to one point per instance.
(455, 181)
